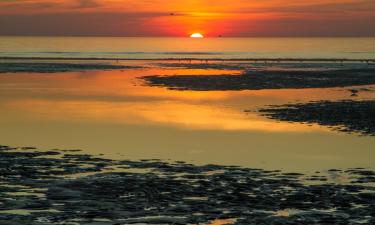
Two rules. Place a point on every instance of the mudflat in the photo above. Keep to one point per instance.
(267, 79)
(66, 186)
(344, 116)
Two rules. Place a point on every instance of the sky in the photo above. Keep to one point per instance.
(180, 18)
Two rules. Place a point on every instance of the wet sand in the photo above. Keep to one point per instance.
(80, 187)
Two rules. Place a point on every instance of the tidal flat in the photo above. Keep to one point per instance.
(68, 187)
(267, 79)
(161, 153)
(345, 116)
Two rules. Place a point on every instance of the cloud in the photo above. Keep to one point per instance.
(74, 23)
(27, 3)
(159, 24)
(172, 17)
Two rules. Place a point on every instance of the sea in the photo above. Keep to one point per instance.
(166, 48)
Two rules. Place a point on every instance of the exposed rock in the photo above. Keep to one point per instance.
(37, 188)
(344, 116)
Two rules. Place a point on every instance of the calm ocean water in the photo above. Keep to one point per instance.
(162, 48)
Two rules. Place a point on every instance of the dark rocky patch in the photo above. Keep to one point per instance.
(267, 79)
(82, 189)
(13, 67)
(344, 116)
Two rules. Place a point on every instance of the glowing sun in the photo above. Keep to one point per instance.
(197, 35)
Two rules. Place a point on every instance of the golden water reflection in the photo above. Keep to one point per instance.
(119, 97)
(187, 116)
(115, 112)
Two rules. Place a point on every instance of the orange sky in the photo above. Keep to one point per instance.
(181, 18)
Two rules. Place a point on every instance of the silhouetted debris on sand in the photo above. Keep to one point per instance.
(267, 79)
(345, 116)
(52, 187)
(355, 91)
(33, 67)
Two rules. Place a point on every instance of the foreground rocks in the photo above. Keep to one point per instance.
(345, 116)
(67, 187)
(268, 79)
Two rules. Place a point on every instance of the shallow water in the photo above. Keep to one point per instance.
(117, 114)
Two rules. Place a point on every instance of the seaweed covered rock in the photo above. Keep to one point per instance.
(67, 187)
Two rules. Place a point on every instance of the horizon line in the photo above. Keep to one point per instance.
(121, 36)
(286, 59)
